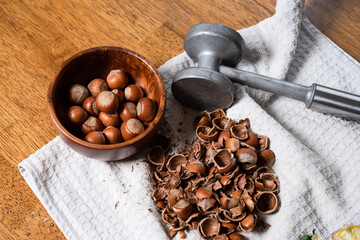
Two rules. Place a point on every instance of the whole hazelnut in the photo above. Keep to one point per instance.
(91, 124)
(117, 79)
(77, 115)
(96, 86)
(109, 119)
(266, 157)
(112, 135)
(232, 144)
(146, 109)
(246, 155)
(127, 111)
(133, 93)
(131, 128)
(120, 95)
(95, 137)
(107, 102)
(78, 93)
(90, 106)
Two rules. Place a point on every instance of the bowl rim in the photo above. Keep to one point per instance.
(154, 123)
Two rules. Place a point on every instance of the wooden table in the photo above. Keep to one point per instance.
(37, 36)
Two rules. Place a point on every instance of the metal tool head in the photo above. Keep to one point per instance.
(215, 39)
(203, 87)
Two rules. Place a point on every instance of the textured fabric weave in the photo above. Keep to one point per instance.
(317, 155)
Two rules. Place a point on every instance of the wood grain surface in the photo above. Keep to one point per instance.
(37, 36)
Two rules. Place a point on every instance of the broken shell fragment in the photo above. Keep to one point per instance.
(267, 202)
(263, 142)
(267, 182)
(197, 167)
(202, 193)
(224, 160)
(159, 193)
(183, 209)
(223, 123)
(156, 156)
(203, 119)
(239, 131)
(248, 223)
(218, 113)
(175, 162)
(223, 137)
(206, 204)
(206, 134)
(220, 237)
(209, 227)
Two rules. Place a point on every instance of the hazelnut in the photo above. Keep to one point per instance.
(117, 79)
(266, 157)
(246, 155)
(127, 111)
(131, 128)
(120, 95)
(91, 124)
(183, 209)
(107, 102)
(236, 236)
(78, 93)
(90, 106)
(197, 167)
(252, 139)
(112, 135)
(146, 109)
(96, 86)
(95, 137)
(232, 144)
(109, 119)
(133, 93)
(77, 115)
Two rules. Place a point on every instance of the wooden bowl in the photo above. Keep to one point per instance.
(97, 63)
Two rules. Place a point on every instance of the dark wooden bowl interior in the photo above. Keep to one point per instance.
(97, 63)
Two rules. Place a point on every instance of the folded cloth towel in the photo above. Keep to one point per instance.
(317, 155)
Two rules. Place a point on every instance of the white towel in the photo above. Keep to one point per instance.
(317, 155)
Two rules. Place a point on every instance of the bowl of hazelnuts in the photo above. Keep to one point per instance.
(107, 102)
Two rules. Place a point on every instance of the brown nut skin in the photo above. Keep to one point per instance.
(252, 139)
(91, 124)
(246, 155)
(223, 137)
(95, 137)
(232, 144)
(78, 93)
(107, 102)
(112, 135)
(89, 105)
(96, 86)
(236, 236)
(266, 157)
(183, 209)
(109, 119)
(146, 109)
(120, 95)
(77, 115)
(127, 110)
(133, 93)
(117, 79)
(131, 128)
(197, 167)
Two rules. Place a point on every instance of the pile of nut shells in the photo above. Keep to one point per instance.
(110, 111)
(220, 184)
